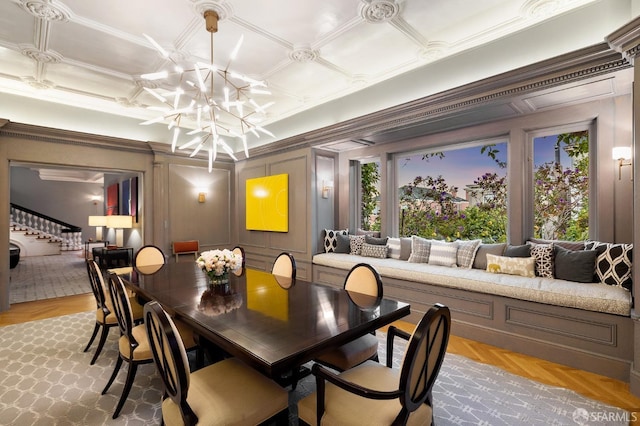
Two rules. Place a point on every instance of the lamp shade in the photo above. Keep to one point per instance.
(97, 220)
(119, 221)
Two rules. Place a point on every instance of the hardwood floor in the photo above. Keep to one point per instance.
(594, 386)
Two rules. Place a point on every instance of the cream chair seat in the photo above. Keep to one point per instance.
(225, 393)
(374, 394)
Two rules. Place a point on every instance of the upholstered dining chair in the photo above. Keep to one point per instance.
(148, 259)
(375, 394)
(362, 279)
(239, 251)
(284, 266)
(105, 317)
(226, 392)
(133, 345)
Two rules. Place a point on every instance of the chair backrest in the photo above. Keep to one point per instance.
(363, 278)
(170, 357)
(122, 309)
(285, 266)
(423, 357)
(149, 255)
(100, 291)
(237, 250)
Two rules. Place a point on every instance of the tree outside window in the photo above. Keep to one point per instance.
(561, 186)
(370, 202)
(458, 193)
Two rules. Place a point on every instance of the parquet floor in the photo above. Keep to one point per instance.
(594, 386)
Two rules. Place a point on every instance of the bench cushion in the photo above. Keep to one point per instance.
(596, 297)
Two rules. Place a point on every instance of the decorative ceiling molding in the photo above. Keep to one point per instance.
(46, 10)
(379, 11)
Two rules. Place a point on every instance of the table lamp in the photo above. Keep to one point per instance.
(98, 222)
(119, 223)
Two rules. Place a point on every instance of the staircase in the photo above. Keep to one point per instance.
(39, 235)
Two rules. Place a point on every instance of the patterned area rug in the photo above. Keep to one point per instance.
(46, 277)
(46, 379)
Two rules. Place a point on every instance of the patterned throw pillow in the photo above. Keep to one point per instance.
(467, 252)
(613, 263)
(443, 253)
(356, 242)
(420, 248)
(374, 250)
(543, 254)
(330, 241)
(524, 266)
(394, 247)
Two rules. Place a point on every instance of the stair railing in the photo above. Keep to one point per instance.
(70, 236)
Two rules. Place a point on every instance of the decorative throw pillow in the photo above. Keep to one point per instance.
(420, 248)
(330, 241)
(467, 252)
(405, 248)
(394, 246)
(355, 243)
(443, 253)
(342, 244)
(613, 263)
(361, 231)
(574, 265)
(543, 254)
(480, 261)
(569, 245)
(375, 240)
(524, 266)
(518, 251)
(374, 250)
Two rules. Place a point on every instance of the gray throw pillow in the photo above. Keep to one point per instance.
(518, 251)
(342, 244)
(405, 248)
(575, 265)
(480, 261)
(375, 240)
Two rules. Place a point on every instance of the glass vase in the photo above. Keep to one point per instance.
(219, 279)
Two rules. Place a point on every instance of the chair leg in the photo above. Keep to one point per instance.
(131, 374)
(103, 338)
(113, 375)
(93, 336)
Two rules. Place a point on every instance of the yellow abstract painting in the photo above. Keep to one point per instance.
(268, 203)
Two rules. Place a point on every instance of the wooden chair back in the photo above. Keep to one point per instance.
(364, 278)
(170, 357)
(122, 310)
(149, 255)
(285, 266)
(423, 358)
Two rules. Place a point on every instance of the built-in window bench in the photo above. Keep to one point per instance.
(583, 325)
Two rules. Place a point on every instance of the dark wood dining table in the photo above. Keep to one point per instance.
(272, 323)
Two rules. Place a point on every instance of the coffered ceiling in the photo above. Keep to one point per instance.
(91, 54)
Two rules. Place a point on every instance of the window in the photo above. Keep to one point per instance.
(561, 186)
(457, 193)
(370, 196)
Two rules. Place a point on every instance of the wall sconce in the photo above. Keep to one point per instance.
(201, 197)
(119, 222)
(98, 222)
(327, 186)
(623, 155)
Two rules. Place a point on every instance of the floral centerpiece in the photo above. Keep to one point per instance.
(218, 263)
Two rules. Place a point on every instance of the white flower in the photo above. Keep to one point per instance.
(219, 262)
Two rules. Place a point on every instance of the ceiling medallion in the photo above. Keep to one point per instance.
(49, 57)
(221, 7)
(303, 54)
(228, 112)
(45, 10)
(378, 11)
(541, 9)
(434, 50)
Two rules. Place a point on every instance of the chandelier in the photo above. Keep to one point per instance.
(191, 100)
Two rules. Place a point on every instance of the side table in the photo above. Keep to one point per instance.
(108, 258)
(88, 245)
